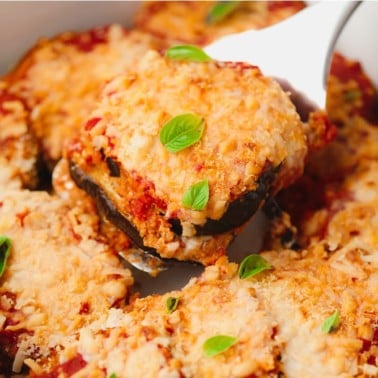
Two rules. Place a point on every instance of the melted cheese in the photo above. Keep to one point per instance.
(59, 272)
(60, 78)
(19, 151)
(256, 130)
(275, 316)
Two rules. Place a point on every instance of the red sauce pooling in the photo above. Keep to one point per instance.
(295, 5)
(66, 369)
(88, 40)
(21, 217)
(84, 308)
(92, 123)
(345, 71)
(141, 206)
(146, 201)
(6, 97)
(367, 347)
(312, 193)
(330, 130)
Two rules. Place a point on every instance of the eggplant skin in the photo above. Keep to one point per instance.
(106, 207)
(243, 208)
(238, 212)
(113, 166)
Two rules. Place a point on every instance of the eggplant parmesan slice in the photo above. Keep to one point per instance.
(65, 188)
(19, 157)
(59, 78)
(253, 144)
(191, 21)
(274, 319)
(60, 275)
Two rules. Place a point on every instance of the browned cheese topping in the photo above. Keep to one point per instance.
(60, 275)
(251, 131)
(59, 79)
(19, 150)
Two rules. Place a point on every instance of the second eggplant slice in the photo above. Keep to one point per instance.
(253, 144)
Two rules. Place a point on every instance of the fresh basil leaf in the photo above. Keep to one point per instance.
(221, 10)
(331, 323)
(252, 265)
(172, 303)
(5, 246)
(352, 95)
(197, 196)
(217, 344)
(113, 375)
(188, 53)
(182, 131)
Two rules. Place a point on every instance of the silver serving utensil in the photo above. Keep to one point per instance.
(296, 51)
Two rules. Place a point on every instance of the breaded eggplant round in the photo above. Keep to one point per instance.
(59, 78)
(188, 204)
(19, 156)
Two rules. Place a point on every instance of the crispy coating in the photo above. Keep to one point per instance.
(253, 139)
(60, 275)
(19, 149)
(336, 271)
(63, 293)
(187, 21)
(59, 79)
(276, 318)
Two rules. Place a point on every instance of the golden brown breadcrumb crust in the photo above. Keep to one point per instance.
(60, 275)
(276, 318)
(336, 271)
(18, 146)
(255, 133)
(62, 296)
(59, 78)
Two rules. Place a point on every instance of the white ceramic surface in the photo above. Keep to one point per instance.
(305, 72)
(22, 23)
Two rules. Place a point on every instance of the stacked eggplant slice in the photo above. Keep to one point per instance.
(181, 154)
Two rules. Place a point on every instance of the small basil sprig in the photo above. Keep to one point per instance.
(197, 196)
(217, 344)
(172, 303)
(5, 246)
(331, 323)
(188, 53)
(221, 10)
(182, 131)
(352, 95)
(113, 375)
(252, 265)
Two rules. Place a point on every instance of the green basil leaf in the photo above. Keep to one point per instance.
(352, 95)
(5, 246)
(217, 344)
(221, 10)
(182, 131)
(197, 196)
(172, 303)
(252, 265)
(331, 323)
(188, 53)
(113, 375)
